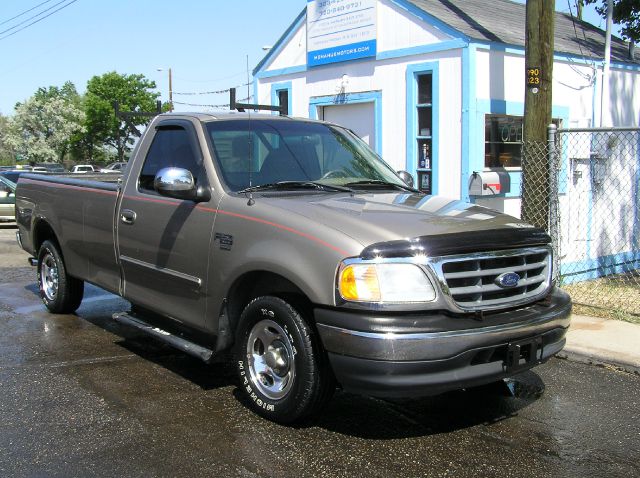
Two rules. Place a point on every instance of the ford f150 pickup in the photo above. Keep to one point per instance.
(293, 245)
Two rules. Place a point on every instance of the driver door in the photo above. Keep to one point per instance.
(164, 242)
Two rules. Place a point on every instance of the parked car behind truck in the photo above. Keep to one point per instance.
(294, 245)
(7, 200)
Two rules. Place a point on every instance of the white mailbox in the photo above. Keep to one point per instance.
(489, 183)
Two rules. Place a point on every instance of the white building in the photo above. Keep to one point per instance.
(437, 87)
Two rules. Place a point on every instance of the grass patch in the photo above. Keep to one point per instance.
(613, 297)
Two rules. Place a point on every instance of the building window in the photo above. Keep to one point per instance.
(502, 141)
(422, 80)
(425, 121)
(283, 99)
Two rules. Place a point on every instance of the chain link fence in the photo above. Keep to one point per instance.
(582, 186)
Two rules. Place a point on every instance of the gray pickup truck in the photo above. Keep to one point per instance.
(292, 244)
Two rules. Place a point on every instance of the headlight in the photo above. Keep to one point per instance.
(389, 283)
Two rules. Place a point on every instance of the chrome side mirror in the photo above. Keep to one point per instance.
(406, 177)
(179, 183)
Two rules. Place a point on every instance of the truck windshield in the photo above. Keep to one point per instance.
(260, 152)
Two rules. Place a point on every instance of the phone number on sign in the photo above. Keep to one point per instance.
(331, 7)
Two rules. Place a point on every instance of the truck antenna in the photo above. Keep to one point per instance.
(251, 201)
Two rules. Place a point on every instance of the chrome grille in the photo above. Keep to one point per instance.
(471, 280)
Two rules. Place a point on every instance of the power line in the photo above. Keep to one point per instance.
(25, 12)
(39, 19)
(210, 106)
(590, 78)
(32, 17)
(210, 81)
(202, 92)
(211, 92)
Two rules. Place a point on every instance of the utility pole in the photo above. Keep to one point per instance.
(170, 92)
(539, 48)
(604, 100)
(579, 8)
(170, 88)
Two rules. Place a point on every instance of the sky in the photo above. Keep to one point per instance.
(204, 42)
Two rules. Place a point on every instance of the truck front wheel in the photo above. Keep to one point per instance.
(60, 292)
(282, 368)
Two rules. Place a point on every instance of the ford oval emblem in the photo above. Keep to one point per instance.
(507, 280)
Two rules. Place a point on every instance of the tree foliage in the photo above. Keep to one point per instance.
(626, 13)
(133, 93)
(42, 127)
(7, 156)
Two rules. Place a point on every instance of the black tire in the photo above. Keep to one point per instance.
(60, 292)
(283, 370)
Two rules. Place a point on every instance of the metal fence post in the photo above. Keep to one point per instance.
(554, 214)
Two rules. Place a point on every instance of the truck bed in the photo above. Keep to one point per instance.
(81, 213)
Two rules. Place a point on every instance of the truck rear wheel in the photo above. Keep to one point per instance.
(60, 292)
(282, 368)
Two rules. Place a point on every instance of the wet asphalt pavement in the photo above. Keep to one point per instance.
(83, 396)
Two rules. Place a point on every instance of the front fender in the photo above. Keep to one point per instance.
(262, 238)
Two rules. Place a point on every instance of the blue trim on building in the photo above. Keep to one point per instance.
(275, 88)
(428, 18)
(588, 269)
(558, 56)
(468, 117)
(625, 66)
(383, 55)
(283, 71)
(282, 41)
(422, 49)
(374, 97)
(413, 70)
(255, 93)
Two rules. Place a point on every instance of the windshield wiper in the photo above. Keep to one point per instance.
(297, 185)
(378, 182)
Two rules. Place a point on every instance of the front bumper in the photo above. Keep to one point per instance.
(406, 356)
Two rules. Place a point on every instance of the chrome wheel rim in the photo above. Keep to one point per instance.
(270, 358)
(49, 277)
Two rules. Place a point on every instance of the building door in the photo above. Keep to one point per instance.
(358, 117)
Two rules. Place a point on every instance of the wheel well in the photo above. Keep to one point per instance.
(259, 283)
(42, 232)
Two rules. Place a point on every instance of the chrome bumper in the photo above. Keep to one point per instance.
(431, 346)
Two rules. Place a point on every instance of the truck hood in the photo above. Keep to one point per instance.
(393, 218)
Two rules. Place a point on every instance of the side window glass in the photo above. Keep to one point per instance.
(171, 147)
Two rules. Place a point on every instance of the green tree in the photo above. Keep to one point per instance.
(626, 13)
(133, 93)
(7, 156)
(43, 126)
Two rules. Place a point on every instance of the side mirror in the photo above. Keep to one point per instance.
(179, 183)
(406, 177)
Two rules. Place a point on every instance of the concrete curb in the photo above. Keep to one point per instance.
(603, 342)
(591, 359)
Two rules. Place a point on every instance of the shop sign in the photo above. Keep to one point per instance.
(340, 30)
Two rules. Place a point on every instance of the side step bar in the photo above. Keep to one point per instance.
(180, 343)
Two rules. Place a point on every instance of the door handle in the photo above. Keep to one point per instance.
(128, 216)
